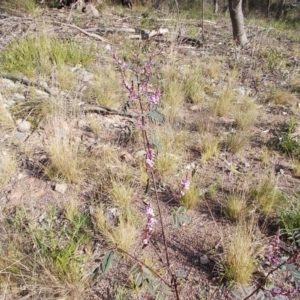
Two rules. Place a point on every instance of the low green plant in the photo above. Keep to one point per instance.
(25, 5)
(60, 247)
(37, 54)
(286, 142)
(290, 218)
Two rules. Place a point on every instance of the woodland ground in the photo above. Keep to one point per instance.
(72, 185)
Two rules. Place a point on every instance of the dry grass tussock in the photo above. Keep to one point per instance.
(65, 160)
(213, 134)
(123, 235)
(241, 249)
(8, 165)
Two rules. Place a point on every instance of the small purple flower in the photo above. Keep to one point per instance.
(184, 186)
(126, 84)
(276, 291)
(151, 222)
(154, 97)
(150, 156)
(272, 251)
(132, 95)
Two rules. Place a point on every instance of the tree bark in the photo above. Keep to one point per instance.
(269, 8)
(281, 9)
(216, 6)
(237, 21)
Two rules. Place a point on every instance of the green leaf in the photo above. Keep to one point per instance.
(138, 280)
(156, 142)
(140, 153)
(180, 210)
(155, 117)
(107, 261)
(146, 271)
(184, 219)
(175, 221)
(166, 290)
(134, 269)
(150, 288)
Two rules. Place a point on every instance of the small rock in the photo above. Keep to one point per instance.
(7, 83)
(20, 136)
(204, 260)
(22, 175)
(108, 47)
(112, 214)
(63, 129)
(61, 188)
(92, 10)
(23, 125)
(195, 107)
(86, 76)
(42, 94)
(18, 96)
(127, 157)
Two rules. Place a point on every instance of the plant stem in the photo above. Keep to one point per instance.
(140, 262)
(260, 286)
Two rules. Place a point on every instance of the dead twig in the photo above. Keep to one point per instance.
(26, 82)
(96, 36)
(109, 111)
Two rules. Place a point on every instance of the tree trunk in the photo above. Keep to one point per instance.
(281, 9)
(237, 21)
(269, 8)
(216, 6)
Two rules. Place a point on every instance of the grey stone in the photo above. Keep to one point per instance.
(204, 260)
(23, 125)
(61, 188)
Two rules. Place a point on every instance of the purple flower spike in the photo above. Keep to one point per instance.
(132, 95)
(154, 98)
(151, 222)
(150, 156)
(272, 251)
(184, 186)
(276, 291)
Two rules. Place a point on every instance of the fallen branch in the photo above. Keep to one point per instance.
(140, 34)
(94, 35)
(26, 82)
(109, 111)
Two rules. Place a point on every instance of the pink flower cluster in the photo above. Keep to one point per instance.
(150, 156)
(276, 291)
(132, 96)
(151, 221)
(184, 186)
(154, 97)
(272, 251)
